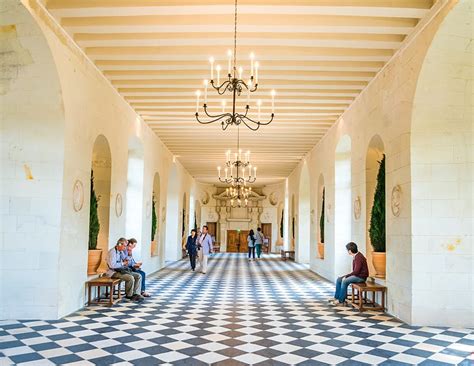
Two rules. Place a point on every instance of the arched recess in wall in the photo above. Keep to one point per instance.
(304, 219)
(442, 177)
(373, 159)
(155, 234)
(342, 205)
(101, 179)
(184, 219)
(281, 225)
(293, 223)
(134, 200)
(173, 228)
(197, 214)
(321, 217)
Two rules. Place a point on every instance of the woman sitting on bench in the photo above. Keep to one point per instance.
(359, 273)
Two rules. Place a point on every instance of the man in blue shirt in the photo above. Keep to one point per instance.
(134, 265)
(204, 248)
(118, 268)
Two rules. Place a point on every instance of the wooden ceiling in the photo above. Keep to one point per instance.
(318, 55)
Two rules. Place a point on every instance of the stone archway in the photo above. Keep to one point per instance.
(442, 177)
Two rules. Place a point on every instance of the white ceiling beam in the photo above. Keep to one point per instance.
(396, 12)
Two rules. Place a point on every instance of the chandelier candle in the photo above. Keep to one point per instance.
(234, 85)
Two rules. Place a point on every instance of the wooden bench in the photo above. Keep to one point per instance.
(287, 254)
(216, 248)
(112, 291)
(360, 300)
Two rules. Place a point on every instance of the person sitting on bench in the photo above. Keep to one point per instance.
(359, 273)
(118, 268)
(134, 265)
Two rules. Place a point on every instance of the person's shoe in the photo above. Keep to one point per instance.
(333, 302)
(145, 294)
(137, 298)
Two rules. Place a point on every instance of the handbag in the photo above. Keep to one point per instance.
(123, 270)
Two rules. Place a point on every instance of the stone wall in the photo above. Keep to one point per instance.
(58, 104)
(389, 108)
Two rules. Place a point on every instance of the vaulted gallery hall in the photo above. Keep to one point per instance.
(222, 182)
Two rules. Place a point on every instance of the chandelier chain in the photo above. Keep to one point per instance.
(235, 37)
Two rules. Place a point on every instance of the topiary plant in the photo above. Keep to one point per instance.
(153, 219)
(293, 227)
(94, 225)
(377, 215)
(321, 219)
(281, 223)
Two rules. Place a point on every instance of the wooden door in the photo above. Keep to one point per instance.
(237, 241)
(212, 228)
(267, 233)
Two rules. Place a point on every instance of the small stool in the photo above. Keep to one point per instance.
(112, 287)
(359, 299)
(287, 254)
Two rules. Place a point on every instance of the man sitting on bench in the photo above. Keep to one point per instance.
(118, 268)
(134, 265)
(359, 273)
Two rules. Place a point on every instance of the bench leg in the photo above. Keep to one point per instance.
(361, 296)
(383, 300)
(111, 299)
(89, 294)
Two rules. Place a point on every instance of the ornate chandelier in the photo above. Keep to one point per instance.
(238, 195)
(235, 85)
(238, 171)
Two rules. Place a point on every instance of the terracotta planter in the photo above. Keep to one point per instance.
(93, 261)
(154, 248)
(379, 262)
(321, 250)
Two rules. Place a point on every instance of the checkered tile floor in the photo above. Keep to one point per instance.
(260, 313)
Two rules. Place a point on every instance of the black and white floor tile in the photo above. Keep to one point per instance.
(267, 312)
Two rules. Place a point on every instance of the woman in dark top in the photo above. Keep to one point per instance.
(191, 247)
(251, 244)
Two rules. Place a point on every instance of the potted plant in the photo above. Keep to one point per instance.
(377, 223)
(154, 221)
(321, 229)
(94, 254)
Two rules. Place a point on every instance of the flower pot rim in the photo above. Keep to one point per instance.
(94, 250)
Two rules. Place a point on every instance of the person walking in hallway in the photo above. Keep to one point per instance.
(259, 242)
(191, 247)
(118, 268)
(251, 244)
(360, 272)
(204, 247)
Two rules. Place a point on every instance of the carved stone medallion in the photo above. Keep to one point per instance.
(273, 198)
(396, 199)
(77, 195)
(357, 208)
(118, 205)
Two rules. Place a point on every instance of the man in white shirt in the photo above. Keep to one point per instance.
(204, 248)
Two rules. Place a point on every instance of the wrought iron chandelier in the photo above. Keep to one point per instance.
(238, 195)
(235, 85)
(237, 171)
